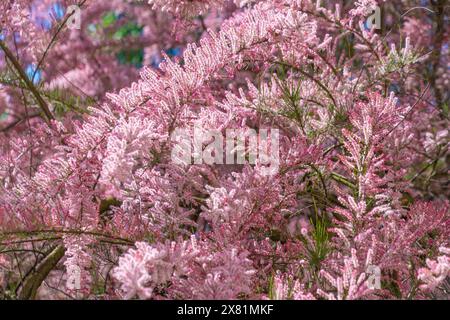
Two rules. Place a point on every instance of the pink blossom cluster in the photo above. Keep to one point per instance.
(436, 271)
(358, 206)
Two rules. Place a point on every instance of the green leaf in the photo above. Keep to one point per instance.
(445, 109)
(109, 19)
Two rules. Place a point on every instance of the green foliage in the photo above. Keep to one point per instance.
(109, 19)
(111, 27)
(130, 29)
(64, 101)
(133, 57)
(320, 236)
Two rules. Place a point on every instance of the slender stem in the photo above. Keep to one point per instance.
(58, 31)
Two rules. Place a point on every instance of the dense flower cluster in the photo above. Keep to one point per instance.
(94, 204)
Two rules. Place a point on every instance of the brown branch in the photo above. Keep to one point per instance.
(62, 231)
(34, 280)
(17, 122)
(438, 41)
(41, 102)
